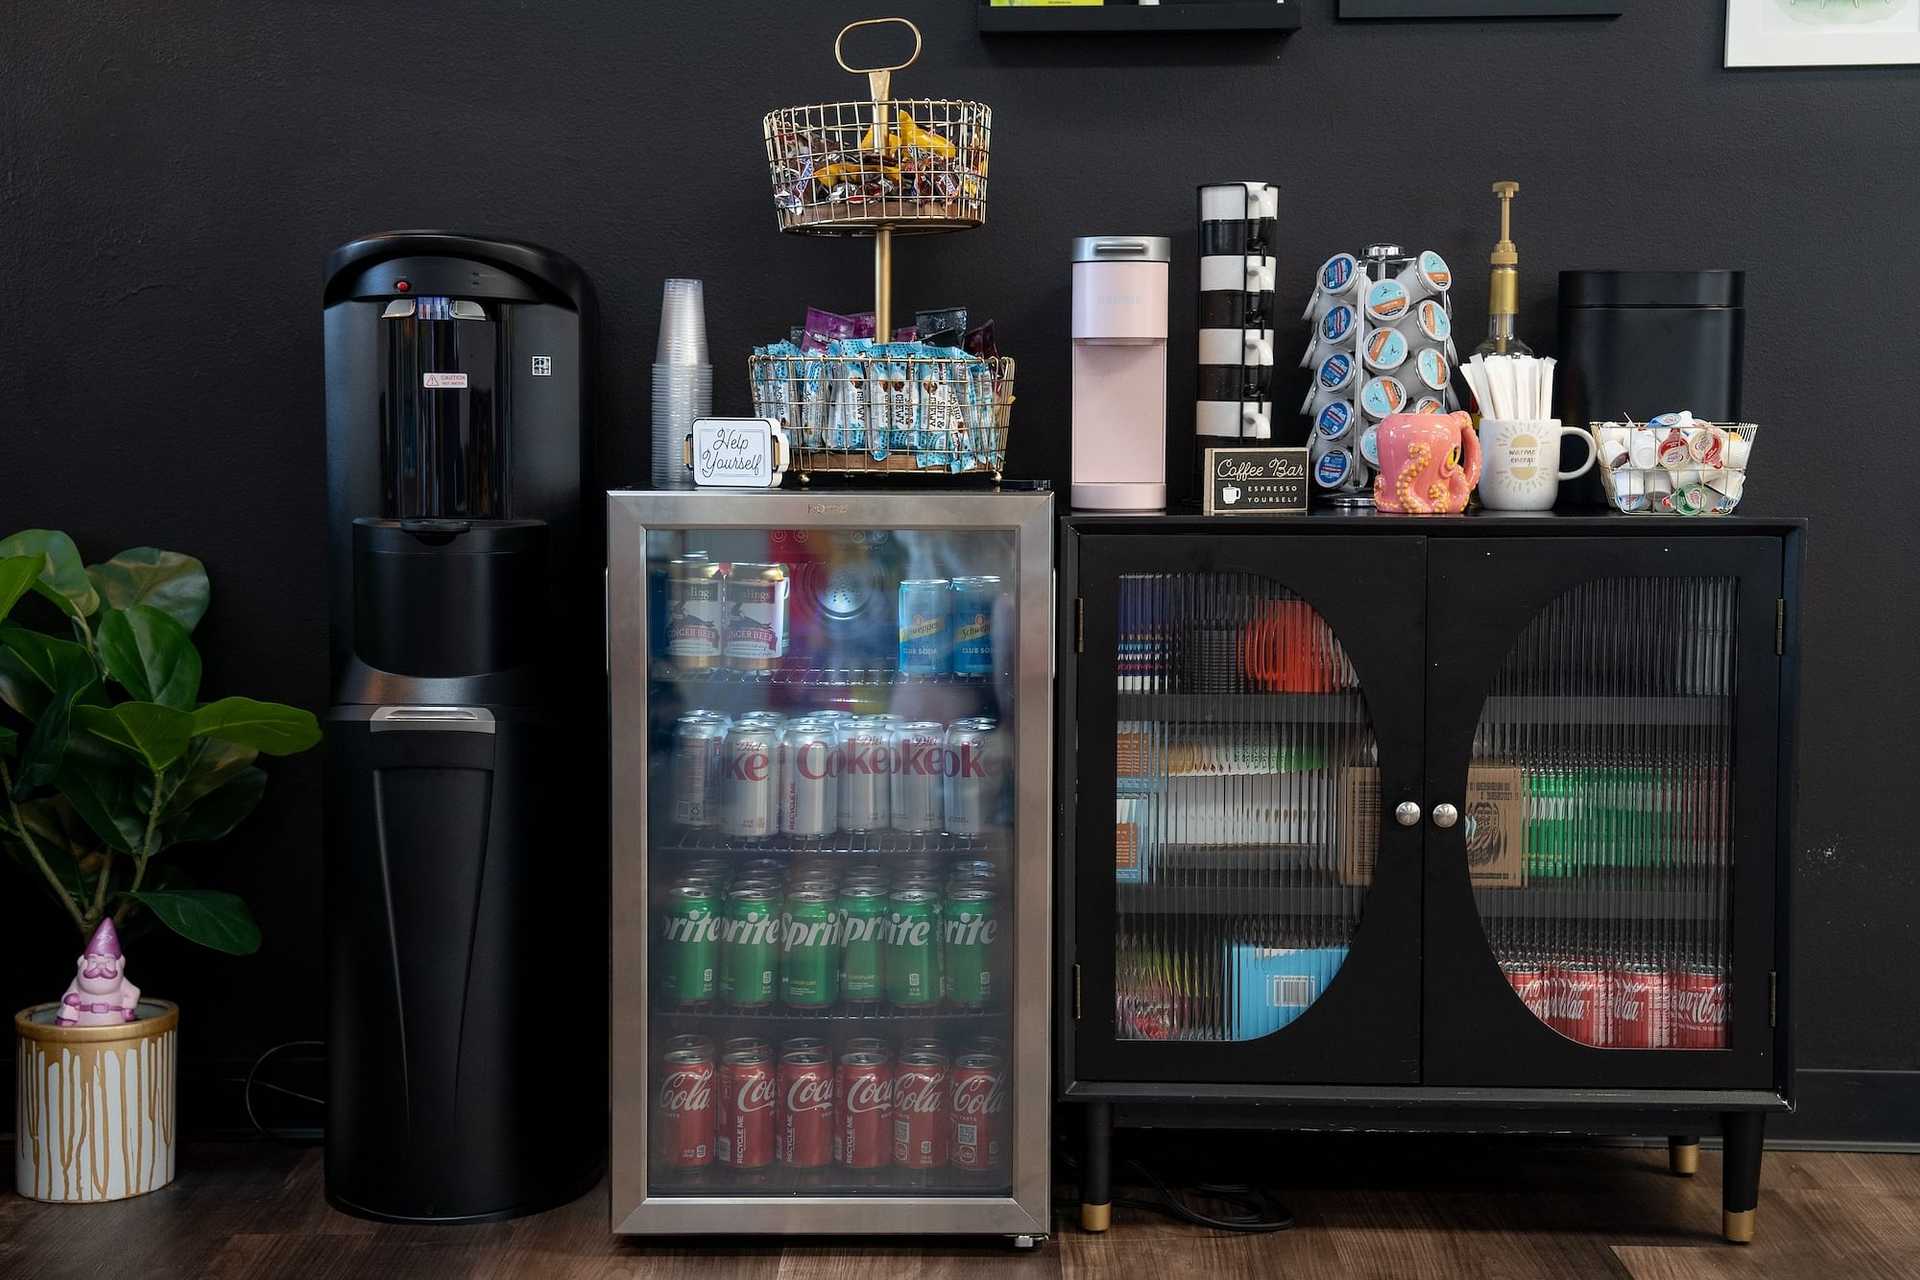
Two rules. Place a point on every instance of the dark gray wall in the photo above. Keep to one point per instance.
(174, 175)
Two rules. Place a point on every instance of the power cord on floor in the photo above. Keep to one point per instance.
(253, 1081)
(1259, 1211)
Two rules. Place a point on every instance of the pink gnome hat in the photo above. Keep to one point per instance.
(105, 940)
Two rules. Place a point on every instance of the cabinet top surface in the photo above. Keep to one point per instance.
(1530, 523)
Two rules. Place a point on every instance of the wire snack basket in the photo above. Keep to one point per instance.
(914, 165)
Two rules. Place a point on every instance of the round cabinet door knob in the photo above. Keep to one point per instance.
(1406, 813)
(1445, 815)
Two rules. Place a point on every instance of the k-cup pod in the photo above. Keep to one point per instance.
(1332, 469)
(1339, 276)
(1236, 346)
(1737, 449)
(1334, 421)
(1336, 372)
(1388, 301)
(1429, 404)
(1237, 273)
(1382, 397)
(1430, 371)
(1673, 449)
(1317, 401)
(1427, 276)
(1338, 323)
(1644, 451)
(1429, 322)
(1384, 350)
(1370, 444)
(1235, 311)
(1233, 419)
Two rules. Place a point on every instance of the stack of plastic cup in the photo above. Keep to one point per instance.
(682, 380)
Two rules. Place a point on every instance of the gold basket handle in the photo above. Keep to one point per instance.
(879, 79)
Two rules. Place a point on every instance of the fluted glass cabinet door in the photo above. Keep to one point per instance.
(1608, 886)
(1250, 703)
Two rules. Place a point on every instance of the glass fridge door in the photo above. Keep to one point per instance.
(835, 719)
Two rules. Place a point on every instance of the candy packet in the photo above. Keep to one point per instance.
(823, 327)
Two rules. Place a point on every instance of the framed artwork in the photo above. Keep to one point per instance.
(1481, 8)
(1822, 33)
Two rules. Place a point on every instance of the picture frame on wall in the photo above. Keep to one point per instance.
(1482, 8)
(1822, 33)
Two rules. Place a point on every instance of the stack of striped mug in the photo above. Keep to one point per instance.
(1233, 394)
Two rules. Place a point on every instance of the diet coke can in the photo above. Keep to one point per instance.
(809, 779)
(919, 753)
(806, 1115)
(1699, 1000)
(977, 1107)
(976, 771)
(1641, 1007)
(864, 1090)
(751, 781)
(747, 1094)
(866, 763)
(920, 1111)
(683, 1111)
(1580, 1002)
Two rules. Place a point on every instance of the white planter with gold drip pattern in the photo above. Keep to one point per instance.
(95, 1112)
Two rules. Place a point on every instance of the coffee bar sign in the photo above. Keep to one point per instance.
(1255, 482)
(737, 453)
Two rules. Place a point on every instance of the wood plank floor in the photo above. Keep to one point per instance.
(1457, 1208)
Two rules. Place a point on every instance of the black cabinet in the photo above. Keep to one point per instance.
(1458, 823)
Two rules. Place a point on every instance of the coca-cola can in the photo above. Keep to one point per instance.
(750, 808)
(1699, 998)
(868, 1044)
(992, 1045)
(925, 1044)
(919, 756)
(1641, 1007)
(744, 1044)
(864, 1091)
(748, 1092)
(809, 779)
(801, 1044)
(806, 1109)
(920, 1101)
(1580, 1002)
(977, 1111)
(683, 1111)
(1533, 984)
(866, 767)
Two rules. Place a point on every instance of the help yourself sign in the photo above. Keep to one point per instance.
(737, 453)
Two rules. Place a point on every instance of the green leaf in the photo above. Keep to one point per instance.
(157, 734)
(219, 811)
(169, 581)
(35, 667)
(65, 843)
(151, 655)
(9, 741)
(109, 793)
(63, 576)
(271, 727)
(207, 766)
(217, 920)
(16, 575)
(47, 744)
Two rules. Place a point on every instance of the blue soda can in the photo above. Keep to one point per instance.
(926, 627)
(974, 602)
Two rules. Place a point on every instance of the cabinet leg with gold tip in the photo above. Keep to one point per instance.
(1096, 1169)
(1683, 1156)
(1740, 1174)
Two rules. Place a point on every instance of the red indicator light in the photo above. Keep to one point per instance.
(402, 285)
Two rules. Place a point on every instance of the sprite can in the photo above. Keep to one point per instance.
(749, 947)
(809, 950)
(913, 947)
(689, 944)
(863, 939)
(970, 926)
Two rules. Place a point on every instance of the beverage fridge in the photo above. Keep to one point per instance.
(831, 781)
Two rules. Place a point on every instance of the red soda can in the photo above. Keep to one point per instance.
(1580, 1002)
(683, 1109)
(1699, 996)
(747, 1096)
(920, 1111)
(920, 1044)
(1532, 983)
(806, 1110)
(977, 1106)
(1640, 1007)
(864, 1090)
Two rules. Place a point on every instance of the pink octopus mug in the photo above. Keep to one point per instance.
(1429, 463)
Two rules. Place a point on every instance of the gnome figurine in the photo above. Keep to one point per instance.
(99, 994)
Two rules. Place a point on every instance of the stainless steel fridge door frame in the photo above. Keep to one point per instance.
(634, 1211)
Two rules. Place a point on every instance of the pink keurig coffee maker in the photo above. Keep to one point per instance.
(1120, 372)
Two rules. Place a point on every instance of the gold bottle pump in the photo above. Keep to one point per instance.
(1503, 287)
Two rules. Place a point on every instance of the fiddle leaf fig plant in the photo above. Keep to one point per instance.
(109, 760)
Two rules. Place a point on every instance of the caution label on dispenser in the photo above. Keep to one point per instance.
(444, 381)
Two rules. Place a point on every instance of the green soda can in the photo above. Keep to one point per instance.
(969, 932)
(809, 950)
(689, 944)
(913, 947)
(749, 947)
(863, 940)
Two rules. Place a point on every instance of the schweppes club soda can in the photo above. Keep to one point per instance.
(926, 627)
(974, 603)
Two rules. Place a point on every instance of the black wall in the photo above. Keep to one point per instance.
(173, 176)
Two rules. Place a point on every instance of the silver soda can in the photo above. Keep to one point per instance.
(809, 779)
(699, 742)
(919, 756)
(751, 787)
(755, 634)
(866, 764)
(975, 778)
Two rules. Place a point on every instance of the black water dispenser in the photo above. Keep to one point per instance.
(466, 742)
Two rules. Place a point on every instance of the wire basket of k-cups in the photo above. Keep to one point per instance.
(1234, 378)
(1675, 464)
(1382, 343)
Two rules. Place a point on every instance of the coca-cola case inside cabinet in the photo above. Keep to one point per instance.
(832, 804)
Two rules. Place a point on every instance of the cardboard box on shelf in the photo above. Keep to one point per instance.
(1274, 985)
(1495, 817)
